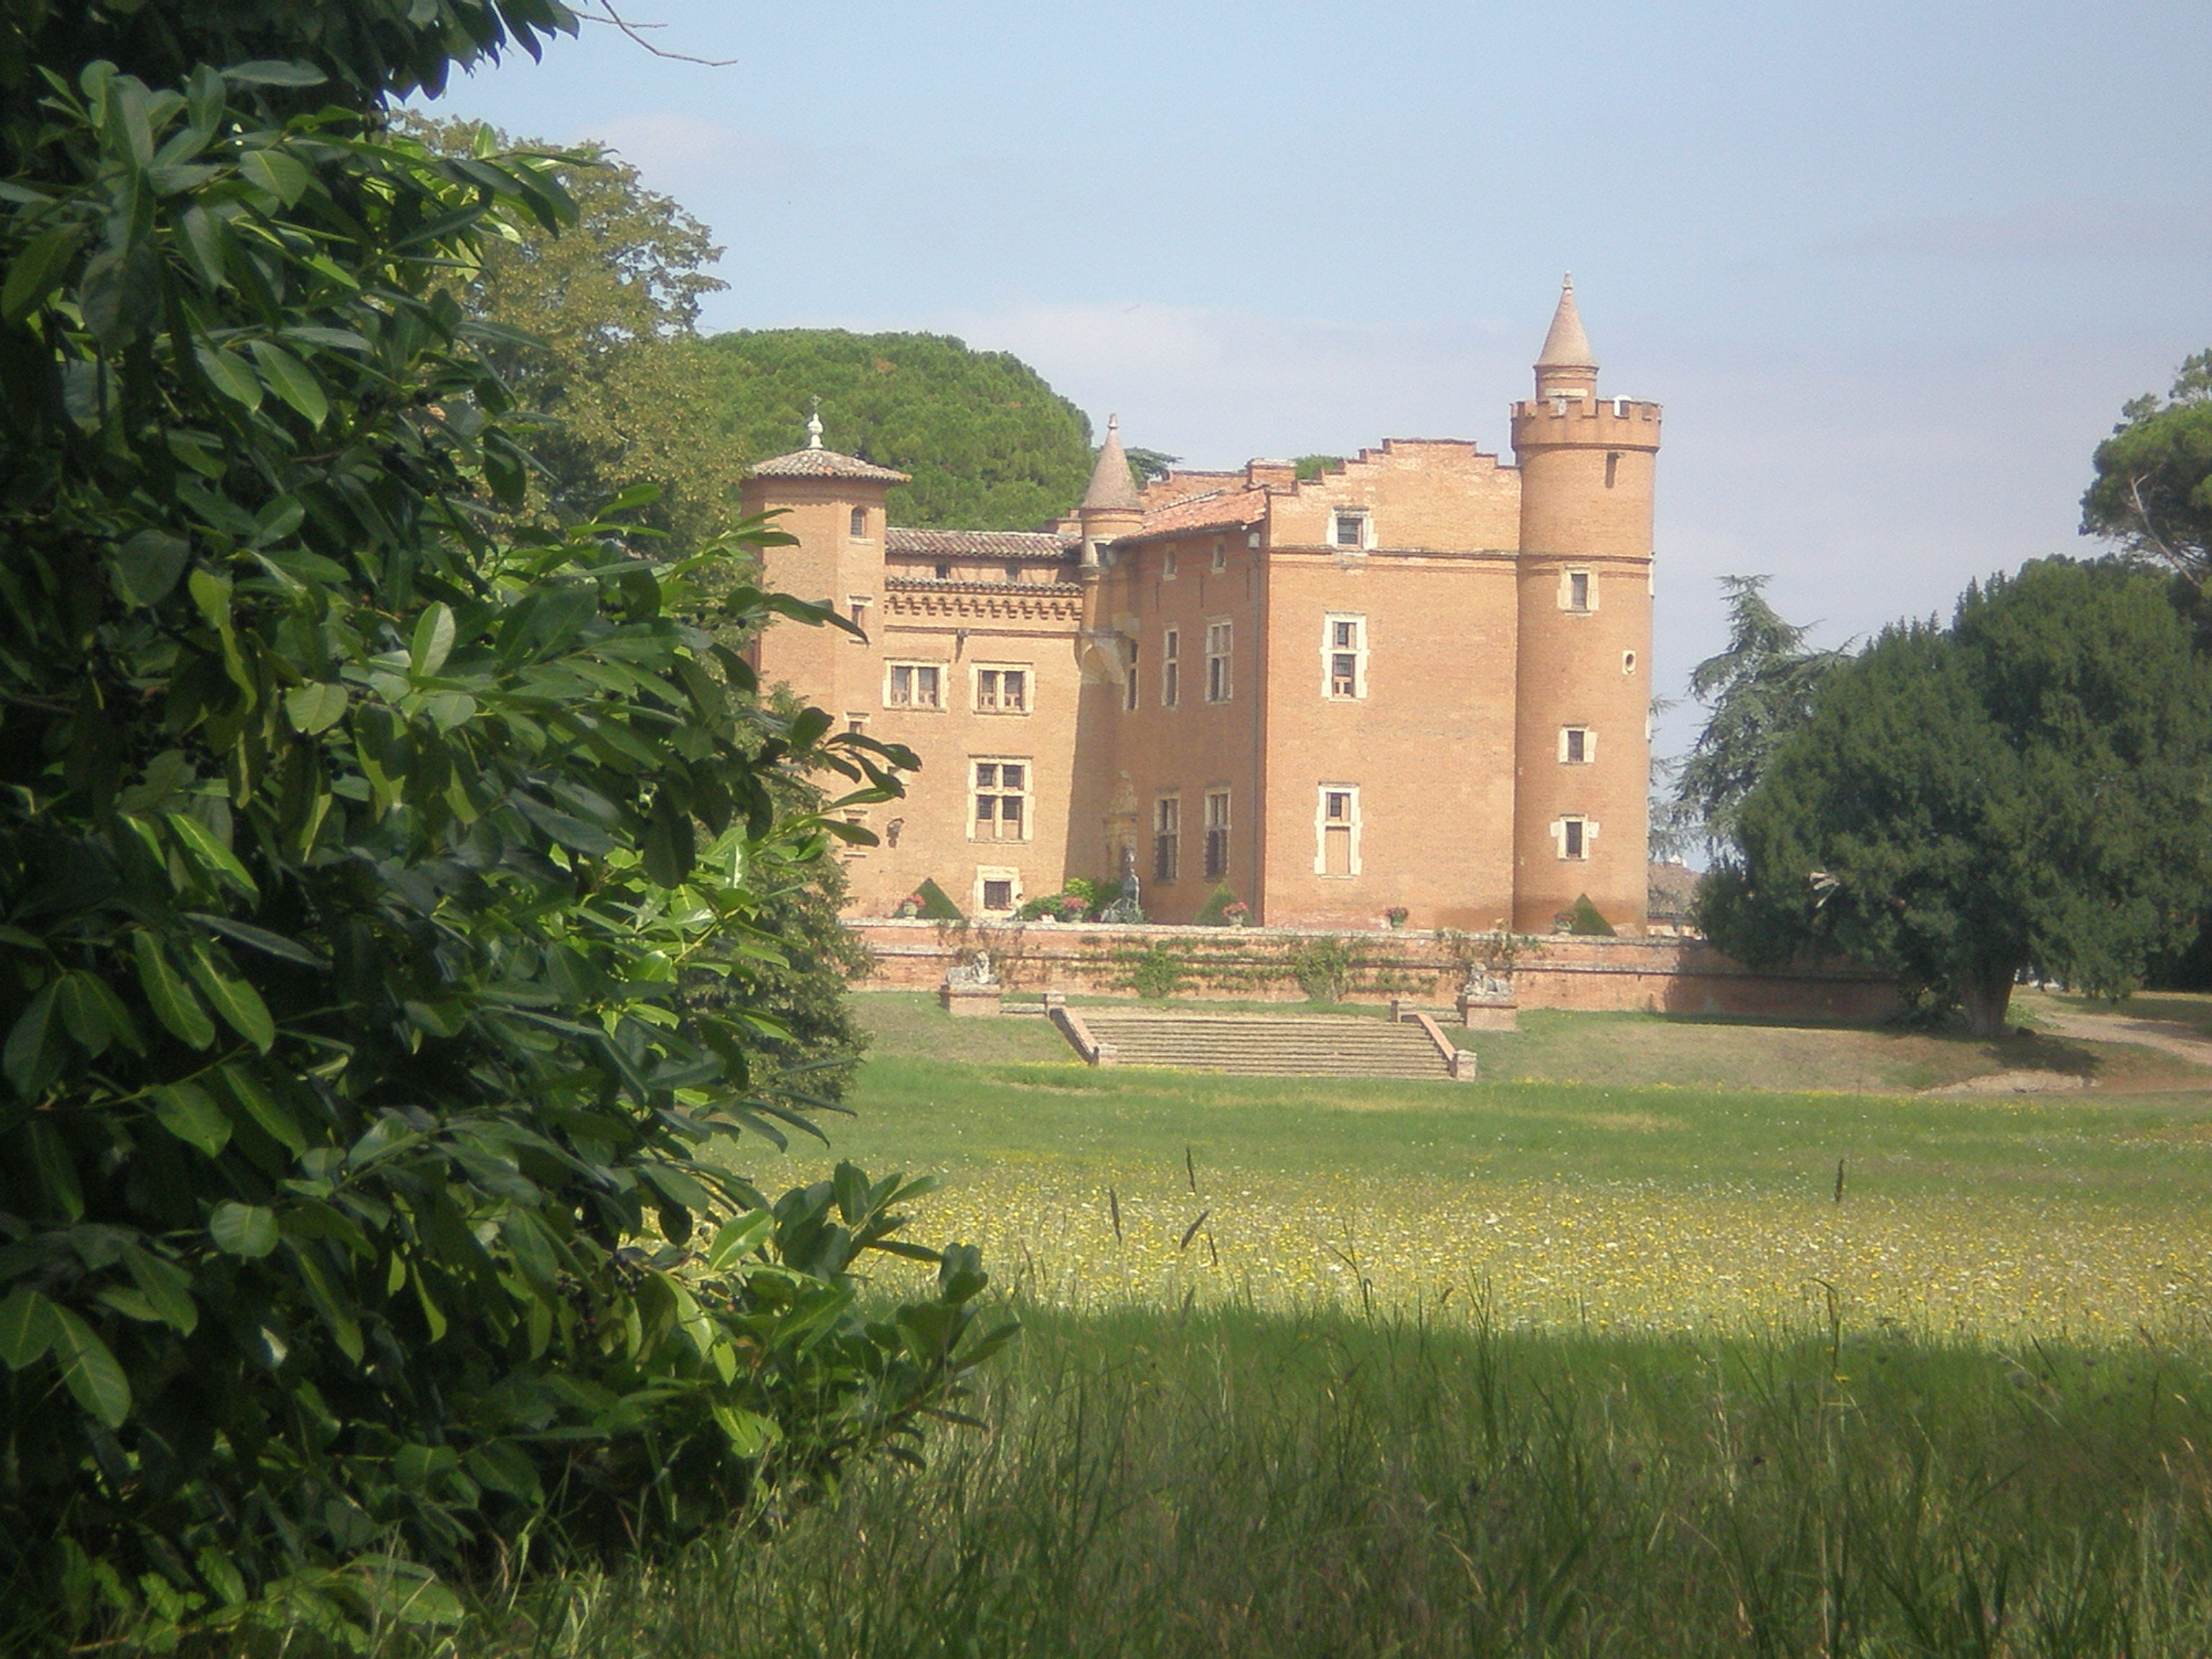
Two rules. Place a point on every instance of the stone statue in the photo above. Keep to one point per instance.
(973, 973)
(1129, 908)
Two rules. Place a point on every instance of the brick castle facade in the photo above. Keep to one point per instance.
(1421, 679)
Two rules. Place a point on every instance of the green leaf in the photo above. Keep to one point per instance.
(56, 1168)
(272, 72)
(749, 1434)
(26, 1327)
(209, 854)
(189, 1112)
(269, 944)
(313, 708)
(36, 272)
(211, 591)
(292, 380)
(230, 374)
(84, 1011)
(282, 176)
(34, 1054)
(433, 641)
(740, 1237)
(146, 566)
(165, 1286)
(243, 1230)
(89, 1371)
(172, 1001)
(264, 1109)
(232, 996)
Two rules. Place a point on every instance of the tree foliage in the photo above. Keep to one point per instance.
(1756, 692)
(595, 330)
(989, 445)
(2153, 492)
(2028, 789)
(356, 868)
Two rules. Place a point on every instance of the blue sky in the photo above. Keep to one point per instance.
(1891, 268)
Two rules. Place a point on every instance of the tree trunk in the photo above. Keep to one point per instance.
(1986, 996)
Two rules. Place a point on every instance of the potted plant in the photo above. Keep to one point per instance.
(1396, 914)
(1236, 914)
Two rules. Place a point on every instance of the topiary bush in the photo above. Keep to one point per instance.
(1585, 919)
(936, 904)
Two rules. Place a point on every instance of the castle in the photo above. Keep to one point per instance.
(1419, 680)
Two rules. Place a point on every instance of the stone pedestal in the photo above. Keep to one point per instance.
(968, 1001)
(1490, 1013)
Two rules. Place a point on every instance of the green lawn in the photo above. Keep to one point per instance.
(1386, 1370)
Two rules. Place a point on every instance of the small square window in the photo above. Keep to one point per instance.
(1220, 556)
(1002, 690)
(914, 686)
(997, 895)
(859, 606)
(1350, 530)
(945, 573)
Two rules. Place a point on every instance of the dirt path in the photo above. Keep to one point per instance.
(2173, 1036)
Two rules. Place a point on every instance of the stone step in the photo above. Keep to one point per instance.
(1286, 1045)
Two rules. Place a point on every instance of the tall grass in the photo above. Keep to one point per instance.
(1226, 1482)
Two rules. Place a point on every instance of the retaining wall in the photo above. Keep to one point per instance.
(1675, 976)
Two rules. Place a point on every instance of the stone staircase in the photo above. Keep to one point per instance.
(1263, 1045)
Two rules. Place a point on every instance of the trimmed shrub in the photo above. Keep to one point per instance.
(936, 904)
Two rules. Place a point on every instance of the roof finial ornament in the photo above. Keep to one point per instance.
(814, 423)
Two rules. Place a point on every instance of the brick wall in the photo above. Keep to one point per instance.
(1650, 974)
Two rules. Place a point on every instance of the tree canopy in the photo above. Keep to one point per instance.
(1756, 691)
(2030, 788)
(2153, 492)
(990, 445)
(363, 851)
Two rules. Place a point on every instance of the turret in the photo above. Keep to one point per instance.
(1581, 743)
(1111, 506)
(833, 505)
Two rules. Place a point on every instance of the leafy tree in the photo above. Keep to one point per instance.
(597, 331)
(355, 866)
(2028, 789)
(1146, 465)
(1757, 691)
(990, 445)
(2153, 492)
(1312, 466)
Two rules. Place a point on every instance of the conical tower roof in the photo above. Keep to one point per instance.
(1566, 346)
(1111, 486)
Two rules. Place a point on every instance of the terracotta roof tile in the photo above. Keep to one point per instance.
(1216, 510)
(977, 544)
(826, 464)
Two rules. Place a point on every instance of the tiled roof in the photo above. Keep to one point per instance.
(977, 544)
(1221, 510)
(1180, 485)
(826, 464)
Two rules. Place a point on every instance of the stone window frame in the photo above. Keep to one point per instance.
(999, 792)
(857, 607)
(1322, 820)
(1330, 651)
(1171, 668)
(1220, 561)
(1167, 836)
(1218, 823)
(1220, 664)
(1167, 564)
(937, 666)
(1588, 756)
(857, 525)
(1572, 836)
(1341, 514)
(1026, 670)
(1567, 577)
(987, 875)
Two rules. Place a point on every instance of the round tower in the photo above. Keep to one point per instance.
(1582, 745)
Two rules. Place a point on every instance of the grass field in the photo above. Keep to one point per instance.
(1538, 1367)
(1663, 1207)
